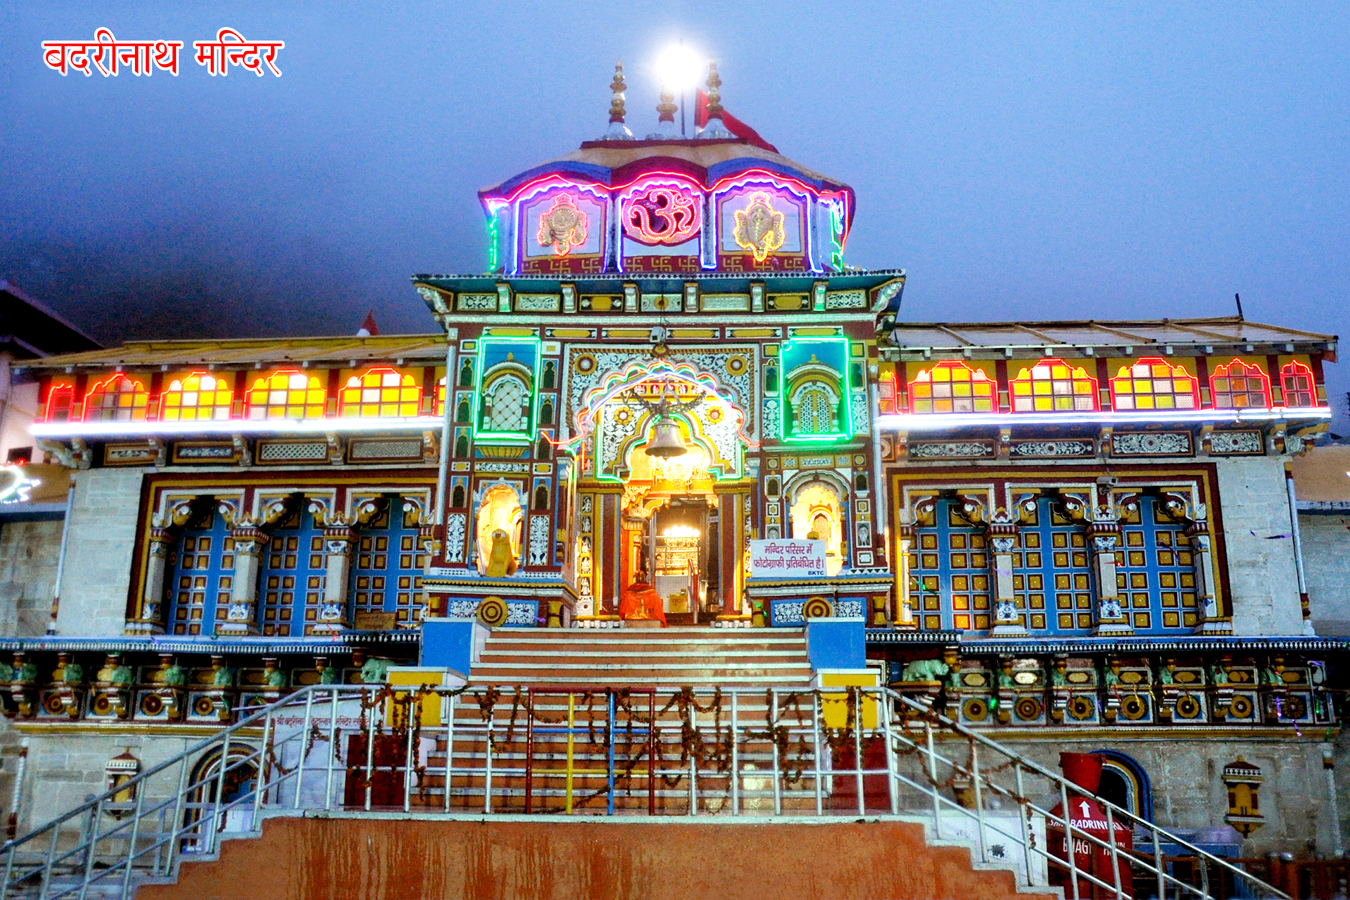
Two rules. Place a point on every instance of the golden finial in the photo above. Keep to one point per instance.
(714, 95)
(667, 106)
(616, 110)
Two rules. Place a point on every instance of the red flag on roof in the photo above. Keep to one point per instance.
(368, 327)
(734, 125)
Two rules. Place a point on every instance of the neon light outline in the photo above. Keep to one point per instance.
(1244, 371)
(512, 437)
(681, 203)
(846, 420)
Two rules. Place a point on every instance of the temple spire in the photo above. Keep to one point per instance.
(617, 131)
(714, 130)
(665, 124)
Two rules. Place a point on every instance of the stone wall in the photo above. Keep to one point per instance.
(1188, 792)
(1326, 563)
(28, 555)
(1257, 531)
(102, 540)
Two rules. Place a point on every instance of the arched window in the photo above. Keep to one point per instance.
(546, 413)
(506, 405)
(541, 498)
(1239, 385)
(118, 399)
(1052, 385)
(1300, 390)
(887, 394)
(817, 510)
(550, 375)
(466, 374)
(1154, 383)
(462, 446)
(815, 408)
(952, 387)
(457, 497)
(197, 397)
(380, 393)
(203, 575)
(500, 523)
(287, 394)
(60, 400)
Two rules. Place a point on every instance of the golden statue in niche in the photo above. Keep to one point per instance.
(501, 561)
(564, 226)
(759, 227)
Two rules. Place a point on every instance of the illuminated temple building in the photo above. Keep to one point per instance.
(668, 401)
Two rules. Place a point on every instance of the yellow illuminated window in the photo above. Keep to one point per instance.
(440, 396)
(1298, 384)
(1239, 385)
(287, 394)
(951, 386)
(199, 396)
(382, 393)
(119, 399)
(1052, 385)
(1154, 383)
(60, 403)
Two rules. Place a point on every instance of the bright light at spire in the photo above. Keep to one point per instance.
(679, 67)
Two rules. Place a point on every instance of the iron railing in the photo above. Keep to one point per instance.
(588, 750)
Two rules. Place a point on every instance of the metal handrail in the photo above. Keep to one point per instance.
(769, 752)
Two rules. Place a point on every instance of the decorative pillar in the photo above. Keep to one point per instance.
(1206, 596)
(1002, 532)
(151, 617)
(242, 617)
(1103, 534)
(904, 604)
(339, 543)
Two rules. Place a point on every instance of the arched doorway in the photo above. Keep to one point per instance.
(203, 818)
(1125, 783)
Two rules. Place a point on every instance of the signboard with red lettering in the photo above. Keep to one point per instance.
(1088, 856)
(783, 558)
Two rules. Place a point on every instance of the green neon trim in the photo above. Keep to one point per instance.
(533, 365)
(494, 236)
(846, 416)
(716, 472)
(836, 234)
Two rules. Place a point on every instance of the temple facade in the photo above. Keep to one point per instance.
(668, 401)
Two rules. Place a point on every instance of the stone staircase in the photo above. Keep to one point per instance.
(625, 657)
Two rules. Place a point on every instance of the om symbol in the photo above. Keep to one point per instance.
(661, 215)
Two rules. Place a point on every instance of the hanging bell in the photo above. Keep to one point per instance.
(666, 439)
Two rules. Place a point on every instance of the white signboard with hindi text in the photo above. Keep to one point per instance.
(787, 559)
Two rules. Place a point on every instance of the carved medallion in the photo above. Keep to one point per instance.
(759, 227)
(563, 226)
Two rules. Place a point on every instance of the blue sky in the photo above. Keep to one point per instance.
(1022, 161)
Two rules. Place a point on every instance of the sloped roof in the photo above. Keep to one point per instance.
(423, 348)
(32, 329)
(944, 337)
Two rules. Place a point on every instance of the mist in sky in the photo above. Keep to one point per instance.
(1021, 161)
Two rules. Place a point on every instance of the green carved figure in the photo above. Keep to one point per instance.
(26, 673)
(1057, 677)
(1005, 679)
(121, 676)
(1110, 677)
(376, 670)
(174, 676)
(6, 673)
(328, 675)
(1218, 675)
(1165, 675)
(72, 674)
(1270, 676)
(275, 678)
(223, 677)
(924, 670)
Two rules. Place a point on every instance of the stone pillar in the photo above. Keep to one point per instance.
(904, 603)
(1008, 619)
(1112, 617)
(242, 617)
(339, 545)
(151, 618)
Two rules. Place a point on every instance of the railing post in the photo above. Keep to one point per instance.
(735, 755)
(777, 762)
(529, 749)
(47, 869)
(979, 798)
(932, 777)
(1024, 817)
(217, 823)
(131, 845)
(1067, 813)
(260, 781)
(651, 754)
(89, 848)
(886, 710)
(571, 746)
(1115, 851)
(370, 751)
(9, 872)
(693, 760)
(334, 751)
(1158, 864)
(816, 700)
(855, 694)
(414, 709)
(176, 830)
(449, 746)
(487, 761)
(304, 739)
